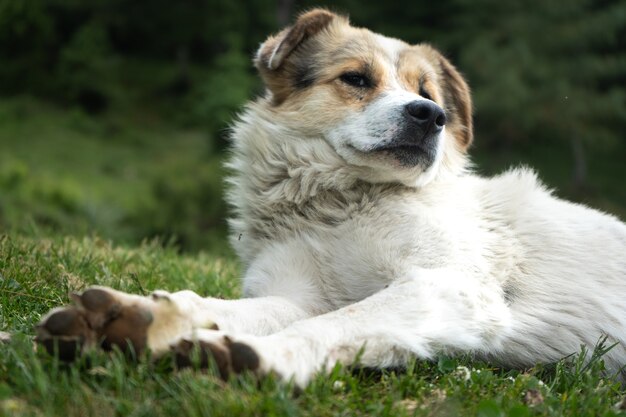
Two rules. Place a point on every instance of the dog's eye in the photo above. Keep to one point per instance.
(425, 94)
(355, 79)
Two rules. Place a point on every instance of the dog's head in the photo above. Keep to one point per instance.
(398, 110)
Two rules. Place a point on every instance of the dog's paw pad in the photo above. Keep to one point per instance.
(128, 331)
(200, 354)
(67, 322)
(243, 357)
(65, 331)
(229, 357)
(99, 304)
(98, 300)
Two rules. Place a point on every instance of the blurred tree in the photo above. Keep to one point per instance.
(413, 23)
(229, 85)
(545, 70)
(86, 68)
(26, 38)
(541, 69)
(284, 12)
(70, 48)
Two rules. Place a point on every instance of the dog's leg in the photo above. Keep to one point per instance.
(257, 316)
(282, 284)
(431, 312)
(103, 317)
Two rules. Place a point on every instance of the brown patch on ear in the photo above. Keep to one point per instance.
(281, 76)
(458, 104)
(274, 50)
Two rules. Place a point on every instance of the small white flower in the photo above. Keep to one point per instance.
(463, 373)
(338, 385)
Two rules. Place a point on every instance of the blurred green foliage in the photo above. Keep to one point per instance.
(65, 173)
(114, 113)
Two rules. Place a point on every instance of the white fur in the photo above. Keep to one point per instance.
(344, 252)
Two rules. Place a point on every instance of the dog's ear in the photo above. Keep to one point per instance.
(281, 74)
(276, 49)
(458, 103)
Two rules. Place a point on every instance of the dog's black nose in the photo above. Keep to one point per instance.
(427, 114)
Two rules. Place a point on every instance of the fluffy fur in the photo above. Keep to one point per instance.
(346, 247)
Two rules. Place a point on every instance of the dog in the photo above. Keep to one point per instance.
(364, 233)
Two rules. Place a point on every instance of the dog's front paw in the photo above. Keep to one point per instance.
(103, 317)
(65, 330)
(235, 354)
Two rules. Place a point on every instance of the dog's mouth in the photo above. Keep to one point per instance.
(409, 155)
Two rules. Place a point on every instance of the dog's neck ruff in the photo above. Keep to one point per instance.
(281, 183)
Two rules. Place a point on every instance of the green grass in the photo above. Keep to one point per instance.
(37, 273)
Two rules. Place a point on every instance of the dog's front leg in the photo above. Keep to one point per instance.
(283, 293)
(104, 317)
(257, 315)
(430, 312)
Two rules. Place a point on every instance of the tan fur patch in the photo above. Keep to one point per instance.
(424, 69)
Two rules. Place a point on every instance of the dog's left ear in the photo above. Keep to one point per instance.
(275, 61)
(458, 103)
(276, 49)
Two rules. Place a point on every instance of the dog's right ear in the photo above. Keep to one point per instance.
(272, 57)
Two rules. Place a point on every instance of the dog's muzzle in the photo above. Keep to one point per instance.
(417, 141)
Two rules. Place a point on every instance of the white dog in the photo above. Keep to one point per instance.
(362, 230)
